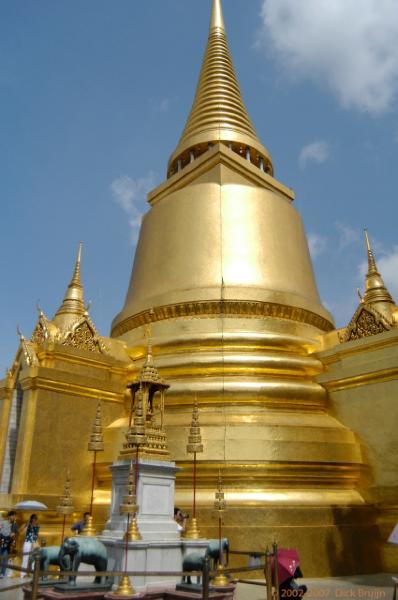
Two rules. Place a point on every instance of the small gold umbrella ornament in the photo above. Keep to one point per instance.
(220, 580)
(135, 436)
(129, 507)
(124, 588)
(194, 447)
(65, 506)
(95, 444)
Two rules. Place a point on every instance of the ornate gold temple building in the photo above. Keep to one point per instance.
(300, 417)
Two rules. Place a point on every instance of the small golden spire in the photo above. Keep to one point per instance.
(218, 112)
(195, 437)
(371, 259)
(220, 504)
(76, 272)
(129, 507)
(149, 373)
(194, 447)
(96, 441)
(376, 312)
(72, 306)
(375, 289)
(65, 506)
(220, 580)
(136, 435)
(149, 351)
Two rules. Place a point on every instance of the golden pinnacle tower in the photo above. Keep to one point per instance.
(377, 311)
(223, 271)
(72, 306)
(218, 113)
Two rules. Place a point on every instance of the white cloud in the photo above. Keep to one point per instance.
(317, 244)
(160, 105)
(363, 269)
(347, 235)
(315, 152)
(348, 45)
(130, 195)
(164, 105)
(388, 267)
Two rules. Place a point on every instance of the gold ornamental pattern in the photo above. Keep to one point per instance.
(38, 335)
(365, 325)
(83, 338)
(215, 308)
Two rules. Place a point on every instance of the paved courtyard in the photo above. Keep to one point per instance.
(358, 587)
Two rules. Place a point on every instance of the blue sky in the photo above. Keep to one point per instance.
(94, 96)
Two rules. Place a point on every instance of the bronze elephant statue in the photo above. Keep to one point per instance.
(90, 551)
(49, 555)
(192, 562)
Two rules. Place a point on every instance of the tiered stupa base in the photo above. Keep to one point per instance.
(292, 472)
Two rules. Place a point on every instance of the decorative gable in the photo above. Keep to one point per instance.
(44, 331)
(366, 321)
(84, 337)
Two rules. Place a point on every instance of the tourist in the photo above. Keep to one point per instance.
(8, 533)
(80, 525)
(180, 519)
(31, 540)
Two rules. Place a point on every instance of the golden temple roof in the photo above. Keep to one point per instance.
(377, 311)
(218, 113)
(72, 307)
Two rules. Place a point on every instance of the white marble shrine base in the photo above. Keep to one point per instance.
(155, 499)
(151, 556)
(162, 549)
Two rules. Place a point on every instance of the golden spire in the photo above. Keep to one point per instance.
(72, 305)
(375, 289)
(129, 505)
(220, 504)
(149, 373)
(218, 113)
(149, 351)
(65, 506)
(376, 312)
(195, 437)
(96, 441)
(136, 435)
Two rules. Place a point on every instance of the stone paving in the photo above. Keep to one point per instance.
(357, 587)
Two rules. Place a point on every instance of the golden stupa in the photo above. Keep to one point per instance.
(290, 407)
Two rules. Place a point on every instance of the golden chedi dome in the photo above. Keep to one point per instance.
(223, 273)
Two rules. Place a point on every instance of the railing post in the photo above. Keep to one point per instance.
(268, 574)
(36, 573)
(206, 578)
(276, 570)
